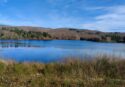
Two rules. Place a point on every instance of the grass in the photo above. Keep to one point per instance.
(99, 72)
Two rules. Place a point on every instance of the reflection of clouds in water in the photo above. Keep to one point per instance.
(54, 50)
(97, 52)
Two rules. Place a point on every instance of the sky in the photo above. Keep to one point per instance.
(102, 15)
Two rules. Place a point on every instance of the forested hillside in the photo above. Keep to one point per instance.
(37, 33)
(16, 33)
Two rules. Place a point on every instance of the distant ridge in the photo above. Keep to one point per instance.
(41, 33)
(37, 27)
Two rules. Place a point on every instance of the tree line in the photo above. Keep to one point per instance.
(15, 33)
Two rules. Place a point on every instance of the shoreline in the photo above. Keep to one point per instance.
(57, 40)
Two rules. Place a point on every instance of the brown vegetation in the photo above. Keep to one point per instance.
(7, 32)
(99, 72)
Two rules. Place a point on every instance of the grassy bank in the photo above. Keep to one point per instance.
(100, 72)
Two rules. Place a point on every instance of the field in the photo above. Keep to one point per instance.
(102, 71)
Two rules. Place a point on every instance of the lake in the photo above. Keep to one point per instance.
(56, 50)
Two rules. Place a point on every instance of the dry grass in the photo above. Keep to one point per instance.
(99, 72)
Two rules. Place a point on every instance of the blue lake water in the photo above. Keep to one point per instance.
(55, 50)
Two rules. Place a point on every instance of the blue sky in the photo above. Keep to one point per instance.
(103, 15)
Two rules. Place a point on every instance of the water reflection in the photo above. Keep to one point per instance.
(16, 44)
(48, 51)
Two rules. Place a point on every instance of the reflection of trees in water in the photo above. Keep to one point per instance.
(14, 44)
(0, 53)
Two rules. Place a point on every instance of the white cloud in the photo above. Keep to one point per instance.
(6, 20)
(113, 20)
(95, 8)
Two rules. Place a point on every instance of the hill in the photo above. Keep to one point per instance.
(40, 33)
